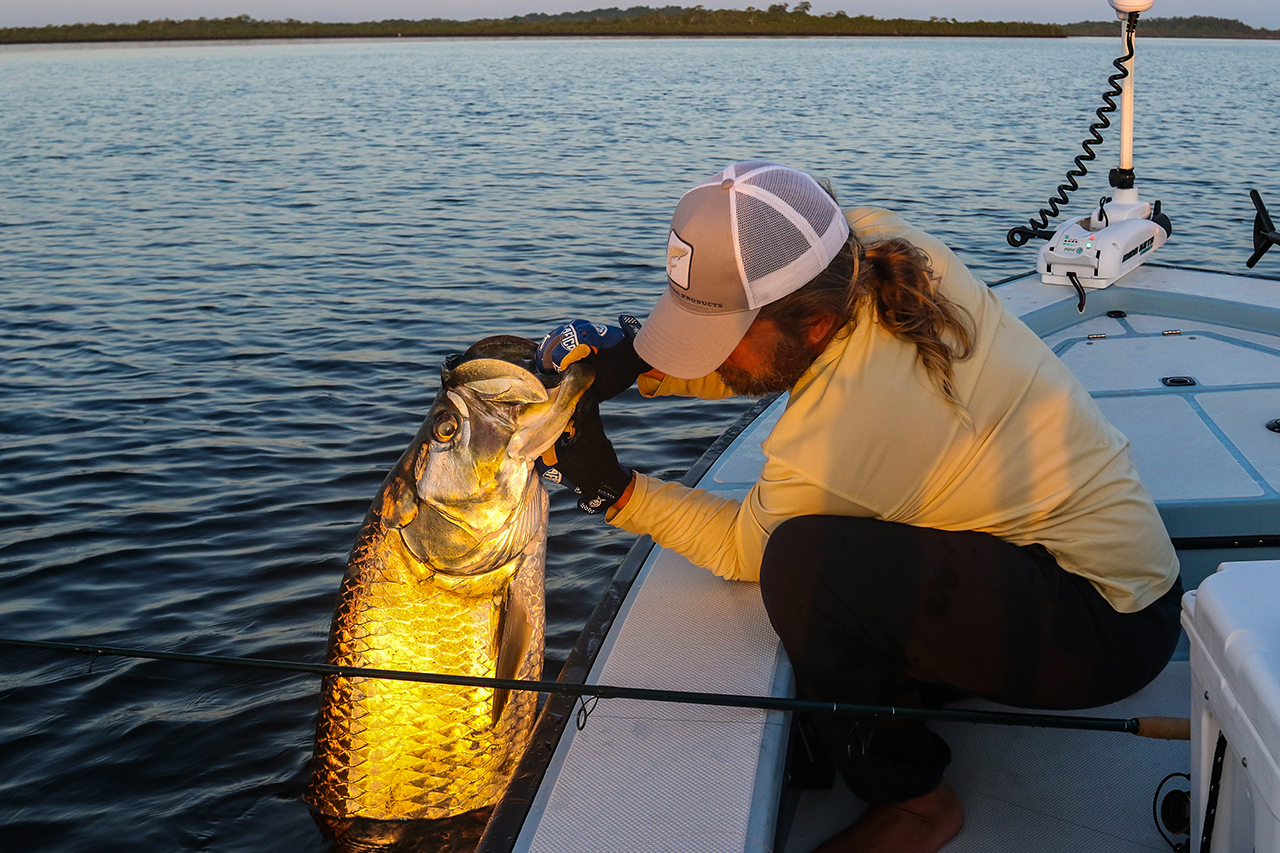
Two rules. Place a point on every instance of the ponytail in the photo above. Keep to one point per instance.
(897, 279)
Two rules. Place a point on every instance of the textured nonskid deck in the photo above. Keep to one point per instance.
(656, 776)
(1043, 790)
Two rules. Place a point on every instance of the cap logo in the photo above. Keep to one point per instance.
(679, 256)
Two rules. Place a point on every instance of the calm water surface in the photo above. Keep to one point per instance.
(230, 274)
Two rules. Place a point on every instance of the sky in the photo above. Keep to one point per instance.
(24, 13)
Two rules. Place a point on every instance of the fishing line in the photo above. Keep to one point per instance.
(1165, 728)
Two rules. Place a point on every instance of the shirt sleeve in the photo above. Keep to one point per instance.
(706, 388)
(725, 535)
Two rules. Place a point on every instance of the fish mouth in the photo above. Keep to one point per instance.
(513, 350)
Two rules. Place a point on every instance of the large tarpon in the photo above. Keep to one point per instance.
(446, 576)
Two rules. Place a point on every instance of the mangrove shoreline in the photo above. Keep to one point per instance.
(638, 21)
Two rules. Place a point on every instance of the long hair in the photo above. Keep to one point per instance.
(897, 279)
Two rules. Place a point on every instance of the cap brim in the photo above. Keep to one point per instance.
(686, 345)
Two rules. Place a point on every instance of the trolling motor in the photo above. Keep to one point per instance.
(1097, 250)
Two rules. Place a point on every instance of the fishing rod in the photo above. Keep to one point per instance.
(1164, 728)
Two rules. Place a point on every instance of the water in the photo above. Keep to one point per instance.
(230, 273)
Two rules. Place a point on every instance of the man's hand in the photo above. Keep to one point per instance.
(585, 459)
(611, 351)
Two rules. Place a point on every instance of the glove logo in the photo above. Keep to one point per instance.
(679, 256)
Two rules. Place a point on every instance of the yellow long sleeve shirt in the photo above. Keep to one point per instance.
(1028, 457)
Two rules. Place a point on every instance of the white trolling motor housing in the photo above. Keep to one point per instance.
(1097, 250)
(1102, 247)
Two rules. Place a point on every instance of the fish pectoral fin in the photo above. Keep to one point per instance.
(515, 632)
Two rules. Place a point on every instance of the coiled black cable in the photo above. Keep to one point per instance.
(1039, 227)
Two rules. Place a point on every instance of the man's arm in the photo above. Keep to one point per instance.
(721, 534)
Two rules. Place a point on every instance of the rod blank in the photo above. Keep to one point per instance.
(1168, 728)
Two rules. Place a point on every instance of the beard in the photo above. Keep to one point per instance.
(792, 356)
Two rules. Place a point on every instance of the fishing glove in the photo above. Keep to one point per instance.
(584, 458)
(611, 350)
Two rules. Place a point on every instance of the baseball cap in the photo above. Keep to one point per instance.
(749, 235)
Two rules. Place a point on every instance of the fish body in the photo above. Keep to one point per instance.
(445, 576)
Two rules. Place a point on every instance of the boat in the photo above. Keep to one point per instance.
(1186, 363)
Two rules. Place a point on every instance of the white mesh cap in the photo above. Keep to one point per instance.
(748, 236)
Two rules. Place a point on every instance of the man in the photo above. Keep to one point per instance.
(943, 509)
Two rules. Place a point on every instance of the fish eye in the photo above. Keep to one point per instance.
(445, 427)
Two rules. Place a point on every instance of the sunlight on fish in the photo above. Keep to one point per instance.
(445, 576)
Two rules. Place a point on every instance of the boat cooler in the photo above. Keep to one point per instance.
(1233, 622)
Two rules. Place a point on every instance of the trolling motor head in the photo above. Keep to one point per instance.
(1096, 250)
(1126, 7)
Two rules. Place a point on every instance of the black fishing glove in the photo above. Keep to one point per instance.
(584, 458)
(610, 350)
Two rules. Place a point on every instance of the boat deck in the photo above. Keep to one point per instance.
(1043, 790)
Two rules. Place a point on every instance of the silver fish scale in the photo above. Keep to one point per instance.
(398, 750)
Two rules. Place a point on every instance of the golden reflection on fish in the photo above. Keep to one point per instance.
(445, 576)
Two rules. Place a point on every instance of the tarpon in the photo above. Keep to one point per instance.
(445, 576)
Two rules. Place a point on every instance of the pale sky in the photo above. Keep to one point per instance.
(1258, 13)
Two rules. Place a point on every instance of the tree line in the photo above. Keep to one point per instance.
(778, 19)
(1197, 26)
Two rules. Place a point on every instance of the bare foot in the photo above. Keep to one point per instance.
(921, 825)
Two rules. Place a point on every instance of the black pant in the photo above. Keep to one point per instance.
(874, 612)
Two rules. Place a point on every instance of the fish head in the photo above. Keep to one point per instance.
(467, 483)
